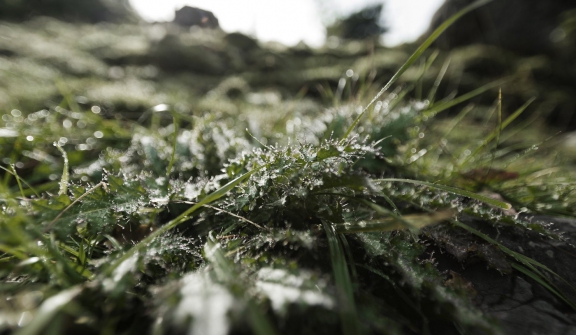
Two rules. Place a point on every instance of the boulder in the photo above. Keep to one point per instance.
(191, 16)
(523, 26)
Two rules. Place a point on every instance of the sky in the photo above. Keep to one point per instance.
(292, 21)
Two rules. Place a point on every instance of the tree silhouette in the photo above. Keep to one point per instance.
(365, 24)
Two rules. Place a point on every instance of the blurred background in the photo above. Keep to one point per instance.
(290, 22)
(130, 55)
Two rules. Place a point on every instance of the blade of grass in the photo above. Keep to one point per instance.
(437, 108)
(390, 202)
(181, 218)
(67, 95)
(226, 212)
(100, 184)
(260, 324)
(415, 56)
(538, 278)
(403, 296)
(400, 96)
(175, 122)
(450, 189)
(415, 222)
(20, 180)
(48, 310)
(436, 85)
(426, 66)
(226, 273)
(17, 180)
(348, 315)
(349, 257)
(526, 265)
(496, 132)
(65, 175)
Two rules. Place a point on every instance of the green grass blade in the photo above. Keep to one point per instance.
(396, 218)
(450, 189)
(48, 310)
(349, 257)
(65, 173)
(437, 108)
(423, 70)
(438, 81)
(226, 273)
(390, 202)
(425, 45)
(496, 132)
(524, 264)
(260, 324)
(181, 218)
(175, 122)
(544, 283)
(13, 172)
(413, 222)
(348, 315)
(403, 296)
(18, 180)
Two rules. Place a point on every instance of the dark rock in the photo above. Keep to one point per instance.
(171, 54)
(241, 41)
(520, 304)
(523, 26)
(191, 16)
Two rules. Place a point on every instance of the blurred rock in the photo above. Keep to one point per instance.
(90, 11)
(180, 53)
(191, 16)
(522, 26)
(241, 41)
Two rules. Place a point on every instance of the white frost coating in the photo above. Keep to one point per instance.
(207, 302)
(160, 181)
(146, 140)
(192, 191)
(48, 310)
(160, 201)
(283, 288)
(59, 300)
(124, 268)
(4, 132)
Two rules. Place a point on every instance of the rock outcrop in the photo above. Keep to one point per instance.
(523, 26)
(191, 16)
